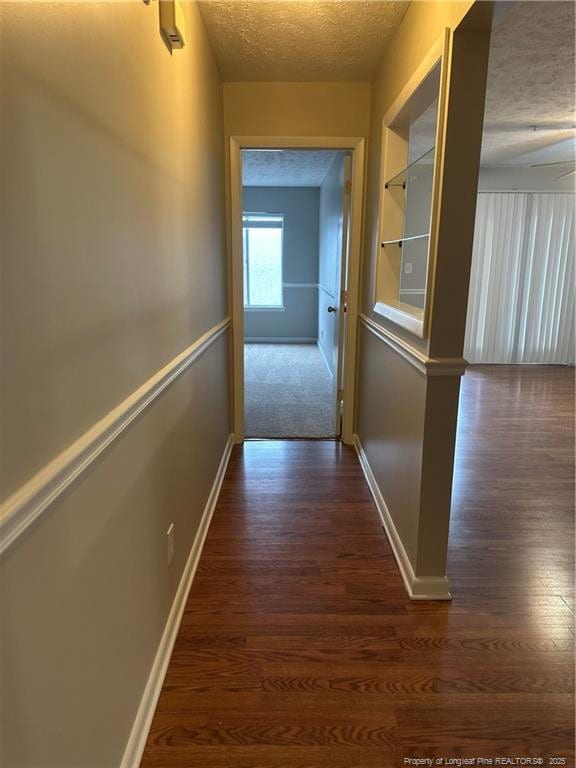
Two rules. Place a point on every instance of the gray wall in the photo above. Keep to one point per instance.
(331, 193)
(300, 208)
(391, 433)
(86, 591)
(113, 249)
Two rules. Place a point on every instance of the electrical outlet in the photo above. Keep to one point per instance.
(170, 544)
(408, 268)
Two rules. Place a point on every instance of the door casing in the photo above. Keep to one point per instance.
(341, 302)
(356, 145)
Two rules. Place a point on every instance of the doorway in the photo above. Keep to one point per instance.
(296, 237)
(294, 243)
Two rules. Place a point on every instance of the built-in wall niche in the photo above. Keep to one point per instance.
(407, 184)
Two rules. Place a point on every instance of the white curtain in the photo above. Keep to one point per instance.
(521, 301)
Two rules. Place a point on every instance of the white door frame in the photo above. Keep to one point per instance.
(356, 146)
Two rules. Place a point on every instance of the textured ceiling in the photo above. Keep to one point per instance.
(300, 40)
(288, 168)
(531, 82)
(531, 77)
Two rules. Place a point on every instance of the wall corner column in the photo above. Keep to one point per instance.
(460, 165)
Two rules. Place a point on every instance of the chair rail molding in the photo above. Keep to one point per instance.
(24, 506)
(429, 366)
(327, 292)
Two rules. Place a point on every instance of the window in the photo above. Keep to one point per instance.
(262, 235)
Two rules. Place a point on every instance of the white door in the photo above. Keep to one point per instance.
(339, 305)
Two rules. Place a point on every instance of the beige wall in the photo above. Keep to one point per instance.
(112, 213)
(405, 418)
(297, 109)
(113, 250)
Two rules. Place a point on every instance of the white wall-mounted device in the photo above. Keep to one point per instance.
(172, 23)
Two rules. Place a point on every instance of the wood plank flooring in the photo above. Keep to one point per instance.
(298, 647)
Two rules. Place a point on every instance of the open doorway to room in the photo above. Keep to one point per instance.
(513, 500)
(295, 245)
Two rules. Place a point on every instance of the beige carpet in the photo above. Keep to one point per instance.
(287, 391)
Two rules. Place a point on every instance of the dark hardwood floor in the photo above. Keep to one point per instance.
(299, 648)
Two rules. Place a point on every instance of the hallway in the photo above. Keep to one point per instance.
(299, 647)
(360, 179)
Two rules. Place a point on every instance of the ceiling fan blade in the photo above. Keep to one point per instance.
(545, 165)
(563, 176)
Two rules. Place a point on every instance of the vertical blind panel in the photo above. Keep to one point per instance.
(521, 301)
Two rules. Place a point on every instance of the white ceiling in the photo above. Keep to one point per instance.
(531, 81)
(300, 40)
(286, 168)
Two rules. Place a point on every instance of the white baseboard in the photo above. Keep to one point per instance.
(418, 587)
(280, 340)
(139, 733)
(325, 359)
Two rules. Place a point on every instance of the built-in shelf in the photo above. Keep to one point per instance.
(406, 315)
(401, 240)
(400, 179)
